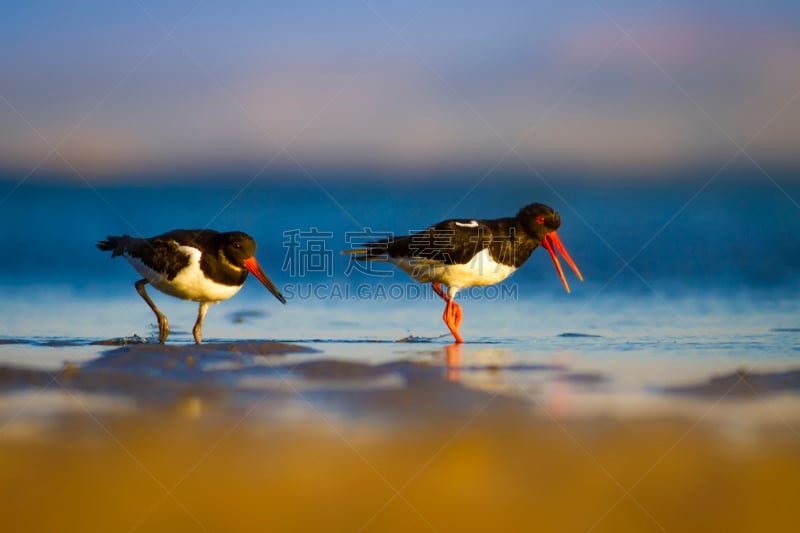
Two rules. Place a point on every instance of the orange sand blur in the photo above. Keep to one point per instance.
(477, 470)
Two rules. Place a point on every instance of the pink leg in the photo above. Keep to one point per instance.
(452, 317)
(437, 288)
(452, 312)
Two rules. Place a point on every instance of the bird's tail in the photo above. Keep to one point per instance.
(115, 245)
(373, 253)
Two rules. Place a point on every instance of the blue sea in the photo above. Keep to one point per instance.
(685, 279)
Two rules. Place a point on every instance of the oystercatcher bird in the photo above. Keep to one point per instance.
(463, 253)
(204, 266)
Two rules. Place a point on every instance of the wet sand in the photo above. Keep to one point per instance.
(272, 436)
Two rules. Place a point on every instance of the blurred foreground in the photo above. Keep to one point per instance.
(176, 438)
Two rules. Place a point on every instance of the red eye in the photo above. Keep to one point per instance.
(540, 219)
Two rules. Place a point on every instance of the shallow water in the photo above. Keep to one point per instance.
(640, 357)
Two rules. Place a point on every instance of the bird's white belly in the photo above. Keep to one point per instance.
(190, 283)
(481, 270)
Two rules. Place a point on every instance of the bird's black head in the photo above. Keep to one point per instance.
(537, 220)
(236, 246)
(240, 249)
(541, 223)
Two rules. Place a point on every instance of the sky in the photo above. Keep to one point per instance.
(112, 89)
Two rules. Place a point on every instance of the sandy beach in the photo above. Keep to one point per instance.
(265, 435)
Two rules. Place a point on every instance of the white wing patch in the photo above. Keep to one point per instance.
(471, 224)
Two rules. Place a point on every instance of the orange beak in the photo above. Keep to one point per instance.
(552, 243)
(252, 265)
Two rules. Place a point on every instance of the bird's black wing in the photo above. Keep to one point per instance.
(198, 238)
(448, 242)
(159, 253)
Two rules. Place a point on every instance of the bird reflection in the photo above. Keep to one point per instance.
(453, 358)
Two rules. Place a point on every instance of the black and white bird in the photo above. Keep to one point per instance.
(204, 266)
(463, 253)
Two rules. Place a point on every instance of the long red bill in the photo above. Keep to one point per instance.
(552, 243)
(252, 265)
